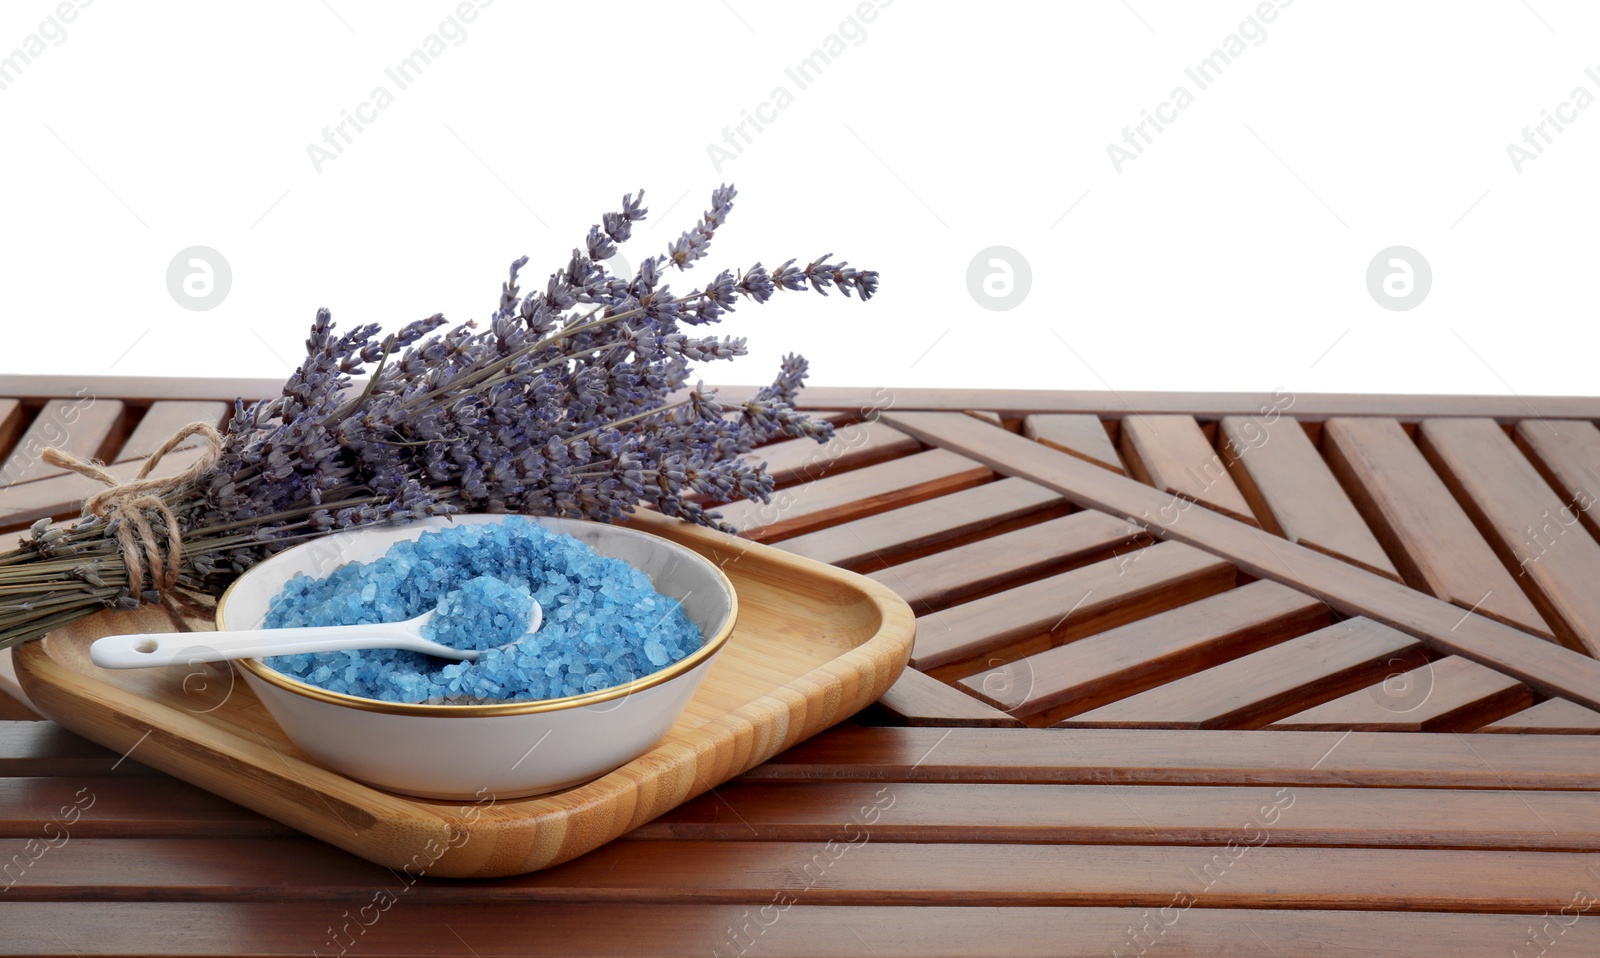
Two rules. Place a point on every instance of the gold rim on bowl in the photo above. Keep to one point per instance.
(707, 649)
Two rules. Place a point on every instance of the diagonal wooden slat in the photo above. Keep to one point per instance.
(163, 419)
(1080, 435)
(1550, 717)
(921, 700)
(955, 575)
(926, 527)
(1567, 453)
(1449, 694)
(854, 446)
(1173, 454)
(83, 425)
(1033, 617)
(1252, 690)
(1557, 561)
(1430, 537)
(62, 496)
(1350, 590)
(851, 495)
(1092, 671)
(1291, 489)
(12, 418)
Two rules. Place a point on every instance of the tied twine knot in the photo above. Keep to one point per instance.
(129, 502)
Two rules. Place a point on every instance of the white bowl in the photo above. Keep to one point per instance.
(506, 750)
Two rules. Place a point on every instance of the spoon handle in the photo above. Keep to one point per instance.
(141, 651)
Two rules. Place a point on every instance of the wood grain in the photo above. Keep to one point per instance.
(1102, 668)
(1280, 680)
(1079, 435)
(854, 494)
(925, 528)
(979, 568)
(1550, 717)
(916, 699)
(861, 444)
(81, 424)
(1176, 756)
(1567, 454)
(1535, 533)
(1430, 537)
(1018, 622)
(1288, 486)
(791, 929)
(1351, 591)
(812, 646)
(1448, 694)
(1173, 454)
(1104, 813)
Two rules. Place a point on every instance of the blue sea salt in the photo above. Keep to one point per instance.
(485, 613)
(604, 624)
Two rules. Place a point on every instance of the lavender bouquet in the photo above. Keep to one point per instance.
(572, 400)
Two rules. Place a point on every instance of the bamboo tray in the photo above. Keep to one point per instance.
(813, 645)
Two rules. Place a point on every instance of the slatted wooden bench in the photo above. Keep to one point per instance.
(1195, 674)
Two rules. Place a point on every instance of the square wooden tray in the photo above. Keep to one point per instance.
(813, 645)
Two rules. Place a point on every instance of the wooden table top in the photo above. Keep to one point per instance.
(1234, 674)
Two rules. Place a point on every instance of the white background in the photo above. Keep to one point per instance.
(1231, 254)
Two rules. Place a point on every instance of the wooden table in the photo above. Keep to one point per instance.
(1331, 692)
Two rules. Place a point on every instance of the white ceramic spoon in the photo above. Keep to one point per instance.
(148, 650)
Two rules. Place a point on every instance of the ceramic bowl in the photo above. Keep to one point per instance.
(510, 749)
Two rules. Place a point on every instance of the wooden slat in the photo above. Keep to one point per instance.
(1252, 690)
(1006, 402)
(63, 495)
(1018, 622)
(59, 495)
(12, 419)
(1550, 717)
(1425, 531)
(1567, 453)
(1448, 694)
(865, 872)
(800, 460)
(1078, 435)
(1137, 815)
(134, 806)
(42, 749)
(851, 495)
(163, 419)
(1102, 668)
(921, 700)
(1172, 454)
(83, 425)
(1182, 756)
(926, 527)
(939, 580)
(992, 418)
(788, 929)
(1292, 491)
(1352, 591)
(1249, 875)
(1557, 561)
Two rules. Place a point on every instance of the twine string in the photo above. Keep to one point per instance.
(128, 504)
